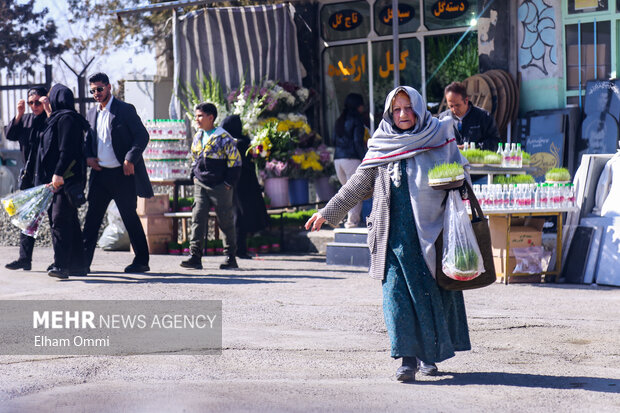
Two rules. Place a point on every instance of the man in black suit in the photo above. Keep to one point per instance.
(114, 152)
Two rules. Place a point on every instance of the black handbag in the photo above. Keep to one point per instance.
(74, 188)
(480, 224)
(75, 193)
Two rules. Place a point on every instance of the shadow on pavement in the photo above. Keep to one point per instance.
(597, 384)
(167, 278)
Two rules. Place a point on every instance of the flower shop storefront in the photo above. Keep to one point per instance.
(358, 53)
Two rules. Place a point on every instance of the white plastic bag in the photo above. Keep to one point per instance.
(461, 260)
(529, 260)
(115, 236)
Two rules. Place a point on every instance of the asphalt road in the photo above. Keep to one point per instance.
(302, 336)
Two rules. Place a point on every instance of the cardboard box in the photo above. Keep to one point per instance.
(524, 232)
(158, 244)
(156, 225)
(157, 204)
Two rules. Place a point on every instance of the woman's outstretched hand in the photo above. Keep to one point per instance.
(315, 222)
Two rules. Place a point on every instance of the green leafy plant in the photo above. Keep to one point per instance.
(292, 218)
(461, 64)
(492, 158)
(526, 158)
(446, 170)
(208, 89)
(514, 179)
(474, 156)
(557, 175)
(466, 260)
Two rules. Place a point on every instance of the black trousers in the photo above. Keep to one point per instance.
(26, 245)
(66, 233)
(112, 184)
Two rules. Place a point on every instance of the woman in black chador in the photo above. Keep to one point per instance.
(60, 161)
(251, 212)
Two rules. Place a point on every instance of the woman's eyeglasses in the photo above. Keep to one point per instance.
(96, 89)
(34, 103)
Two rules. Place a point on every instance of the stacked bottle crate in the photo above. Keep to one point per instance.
(167, 154)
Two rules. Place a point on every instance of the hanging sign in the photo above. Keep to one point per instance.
(405, 14)
(446, 9)
(586, 4)
(345, 20)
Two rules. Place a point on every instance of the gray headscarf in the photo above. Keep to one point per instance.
(429, 143)
(390, 144)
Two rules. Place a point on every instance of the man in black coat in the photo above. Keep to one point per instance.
(114, 152)
(26, 128)
(471, 124)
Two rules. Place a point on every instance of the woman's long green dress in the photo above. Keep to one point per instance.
(422, 320)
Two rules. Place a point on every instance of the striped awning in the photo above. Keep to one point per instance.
(232, 43)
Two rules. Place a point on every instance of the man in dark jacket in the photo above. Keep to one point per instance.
(25, 128)
(471, 124)
(114, 152)
(60, 161)
(216, 166)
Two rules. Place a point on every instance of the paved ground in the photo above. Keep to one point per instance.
(301, 336)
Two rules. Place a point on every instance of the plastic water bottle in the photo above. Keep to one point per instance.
(512, 156)
(537, 194)
(519, 157)
(499, 149)
(506, 156)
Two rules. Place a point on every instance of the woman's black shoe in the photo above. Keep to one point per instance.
(427, 369)
(406, 373)
(58, 273)
(19, 264)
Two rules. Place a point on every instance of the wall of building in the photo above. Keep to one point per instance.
(540, 54)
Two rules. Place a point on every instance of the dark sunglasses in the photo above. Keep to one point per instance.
(34, 102)
(96, 89)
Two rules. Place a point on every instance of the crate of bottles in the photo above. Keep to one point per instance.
(539, 196)
(167, 154)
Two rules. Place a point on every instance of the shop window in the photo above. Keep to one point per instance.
(343, 21)
(345, 71)
(455, 67)
(408, 17)
(586, 6)
(443, 14)
(594, 62)
(383, 70)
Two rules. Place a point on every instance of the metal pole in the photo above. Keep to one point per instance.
(395, 46)
(579, 56)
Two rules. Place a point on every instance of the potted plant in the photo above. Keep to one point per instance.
(474, 156)
(252, 248)
(210, 249)
(275, 244)
(446, 176)
(174, 248)
(526, 157)
(185, 247)
(218, 245)
(557, 176)
(263, 246)
(491, 158)
(465, 264)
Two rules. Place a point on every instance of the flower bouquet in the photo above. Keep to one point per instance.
(271, 144)
(28, 207)
(305, 164)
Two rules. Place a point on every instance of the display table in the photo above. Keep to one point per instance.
(490, 171)
(509, 214)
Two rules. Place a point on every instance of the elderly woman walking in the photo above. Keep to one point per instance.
(425, 323)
